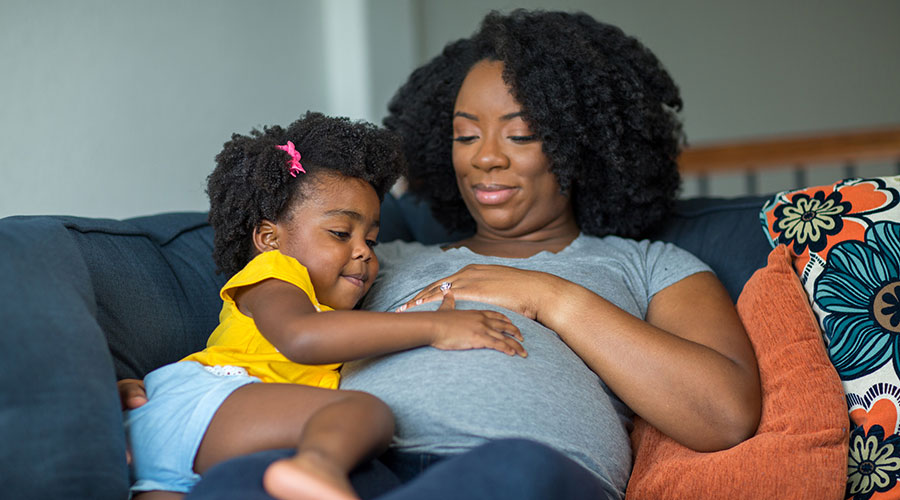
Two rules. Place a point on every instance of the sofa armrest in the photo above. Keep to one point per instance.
(60, 417)
(88, 301)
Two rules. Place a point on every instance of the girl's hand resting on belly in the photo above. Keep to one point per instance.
(470, 329)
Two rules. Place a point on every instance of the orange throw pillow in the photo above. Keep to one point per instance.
(800, 448)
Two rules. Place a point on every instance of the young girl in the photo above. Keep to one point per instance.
(295, 213)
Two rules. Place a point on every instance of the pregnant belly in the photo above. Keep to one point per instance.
(449, 401)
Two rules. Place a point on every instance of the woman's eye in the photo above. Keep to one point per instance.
(523, 138)
(465, 139)
(342, 235)
(372, 243)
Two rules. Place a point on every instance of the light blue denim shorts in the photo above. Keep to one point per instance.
(165, 433)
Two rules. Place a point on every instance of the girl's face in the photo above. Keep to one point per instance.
(501, 170)
(332, 232)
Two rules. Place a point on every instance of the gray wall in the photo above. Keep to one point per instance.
(116, 108)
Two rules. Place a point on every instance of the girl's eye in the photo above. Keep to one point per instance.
(342, 235)
(523, 138)
(465, 139)
(372, 243)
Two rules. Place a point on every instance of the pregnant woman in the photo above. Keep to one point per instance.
(551, 139)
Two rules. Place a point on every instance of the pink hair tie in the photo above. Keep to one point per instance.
(294, 163)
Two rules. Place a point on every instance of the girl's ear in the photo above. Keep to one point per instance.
(265, 236)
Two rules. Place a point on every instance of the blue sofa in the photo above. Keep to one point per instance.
(88, 301)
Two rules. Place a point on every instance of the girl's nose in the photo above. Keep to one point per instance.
(361, 250)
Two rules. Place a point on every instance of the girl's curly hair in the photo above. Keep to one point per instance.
(252, 181)
(600, 101)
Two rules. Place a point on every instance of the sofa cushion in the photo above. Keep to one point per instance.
(110, 299)
(154, 285)
(799, 449)
(845, 243)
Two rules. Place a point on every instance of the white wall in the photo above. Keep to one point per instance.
(116, 108)
(744, 68)
(395, 48)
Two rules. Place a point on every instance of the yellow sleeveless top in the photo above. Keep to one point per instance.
(237, 341)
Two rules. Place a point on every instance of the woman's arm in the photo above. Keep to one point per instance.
(286, 318)
(689, 369)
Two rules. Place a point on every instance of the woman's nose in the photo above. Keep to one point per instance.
(490, 155)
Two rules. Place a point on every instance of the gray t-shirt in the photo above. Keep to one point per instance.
(446, 402)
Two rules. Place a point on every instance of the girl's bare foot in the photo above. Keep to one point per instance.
(307, 476)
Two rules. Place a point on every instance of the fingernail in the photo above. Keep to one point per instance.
(418, 301)
(401, 308)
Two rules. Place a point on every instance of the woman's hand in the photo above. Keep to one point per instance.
(459, 330)
(132, 393)
(522, 291)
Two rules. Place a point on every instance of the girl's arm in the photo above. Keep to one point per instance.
(689, 369)
(286, 318)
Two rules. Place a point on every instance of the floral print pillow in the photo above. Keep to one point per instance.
(845, 243)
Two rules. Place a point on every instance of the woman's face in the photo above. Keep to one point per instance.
(501, 170)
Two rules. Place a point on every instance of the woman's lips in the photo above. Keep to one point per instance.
(493, 194)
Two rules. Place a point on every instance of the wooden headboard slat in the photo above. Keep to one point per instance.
(842, 148)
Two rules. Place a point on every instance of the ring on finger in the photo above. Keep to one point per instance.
(445, 286)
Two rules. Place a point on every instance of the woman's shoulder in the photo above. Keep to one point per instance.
(656, 263)
(399, 249)
(631, 245)
(613, 243)
(647, 252)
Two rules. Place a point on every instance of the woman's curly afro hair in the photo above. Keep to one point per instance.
(252, 181)
(601, 102)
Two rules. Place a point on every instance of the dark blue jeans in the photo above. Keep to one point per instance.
(513, 469)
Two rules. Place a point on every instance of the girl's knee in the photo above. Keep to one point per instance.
(362, 398)
(372, 405)
(376, 413)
